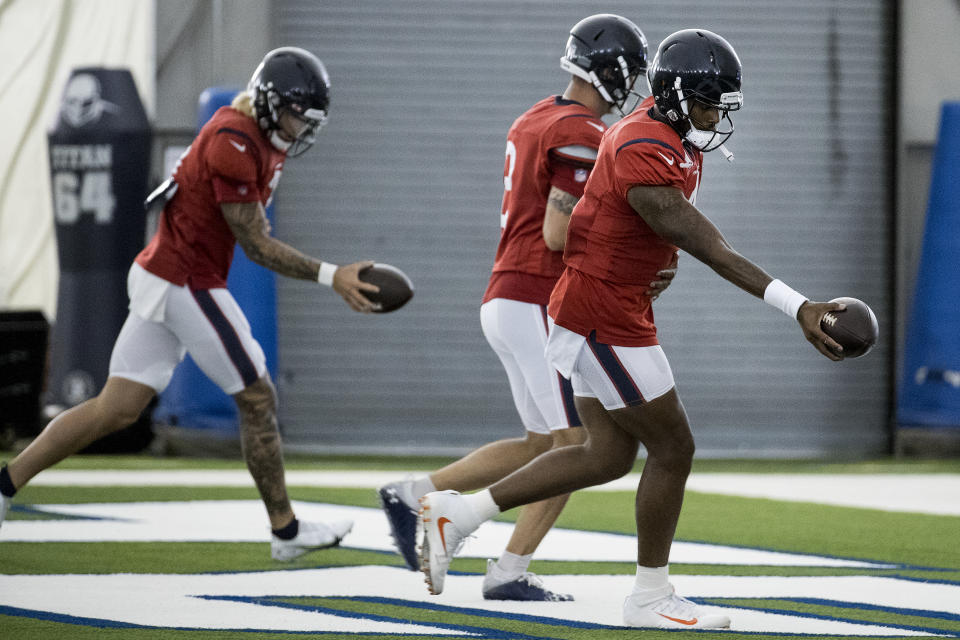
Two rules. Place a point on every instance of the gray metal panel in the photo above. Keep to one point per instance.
(409, 172)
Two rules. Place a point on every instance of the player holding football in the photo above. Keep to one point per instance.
(637, 210)
(551, 150)
(178, 297)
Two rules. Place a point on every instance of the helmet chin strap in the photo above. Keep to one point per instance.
(279, 143)
(701, 139)
(697, 137)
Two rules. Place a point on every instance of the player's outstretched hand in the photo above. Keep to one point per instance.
(666, 277)
(809, 318)
(347, 283)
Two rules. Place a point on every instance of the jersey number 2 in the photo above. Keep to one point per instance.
(509, 165)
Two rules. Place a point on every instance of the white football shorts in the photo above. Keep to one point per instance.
(616, 376)
(166, 322)
(517, 331)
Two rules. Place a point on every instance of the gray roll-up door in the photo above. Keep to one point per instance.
(409, 172)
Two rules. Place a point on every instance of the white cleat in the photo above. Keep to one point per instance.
(443, 524)
(311, 536)
(4, 507)
(670, 612)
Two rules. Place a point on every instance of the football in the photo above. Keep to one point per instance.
(855, 328)
(395, 287)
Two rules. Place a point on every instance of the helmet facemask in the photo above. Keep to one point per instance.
(290, 95)
(623, 88)
(620, 87)
(706, 140)
(272, 106)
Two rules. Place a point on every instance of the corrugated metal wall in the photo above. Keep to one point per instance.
(409, 172)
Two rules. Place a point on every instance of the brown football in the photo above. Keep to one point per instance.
(396, 289)
(855, 328)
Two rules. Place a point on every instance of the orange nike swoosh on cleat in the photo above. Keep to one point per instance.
(680, 620)
(440, 522)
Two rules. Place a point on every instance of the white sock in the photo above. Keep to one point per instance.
(407, 492)
(512, 566)
(421, 487)
(482, 505)
(651, 579)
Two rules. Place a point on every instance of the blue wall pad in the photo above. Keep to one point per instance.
(929, 391)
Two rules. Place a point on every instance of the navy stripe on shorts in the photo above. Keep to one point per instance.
(618, 374)
(228, 336)
(569, 407)
(566, 388)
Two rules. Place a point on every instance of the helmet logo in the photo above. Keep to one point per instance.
(82, 102)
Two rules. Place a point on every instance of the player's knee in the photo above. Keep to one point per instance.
(619, 466)
(569, 436)
(126, 417)
(257, 402)
(678, 453)
(684, 448)
(113, 416)
(609, 462)
(537, 443)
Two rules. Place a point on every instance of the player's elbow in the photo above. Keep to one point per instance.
(253, 247)
(554, 241)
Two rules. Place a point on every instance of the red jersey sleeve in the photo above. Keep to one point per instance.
(648, 162)
(573, 152)
(232, 160)
(569, 176)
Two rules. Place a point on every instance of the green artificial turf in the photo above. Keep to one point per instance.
(925, 547)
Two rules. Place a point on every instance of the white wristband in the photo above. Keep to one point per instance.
(325, 275)
(784, 298)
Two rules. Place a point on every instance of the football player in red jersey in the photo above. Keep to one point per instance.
(637, 210)
(179, 302)
(550, 152)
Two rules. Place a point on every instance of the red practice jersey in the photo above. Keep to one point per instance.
(553, 143)
(230, 161)
(611, 254)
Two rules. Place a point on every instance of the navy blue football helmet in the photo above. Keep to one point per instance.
(291, 79)
(696, 64)
(609, 52)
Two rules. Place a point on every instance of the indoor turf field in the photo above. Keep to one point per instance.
(145, 548)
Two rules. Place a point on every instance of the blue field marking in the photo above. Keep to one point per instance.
(101, 623)
(882, 564)
(919, 613)
(483, 613)
(840, 604)
(68, 619)
(925, 580)
(469, 631)
(38, 510)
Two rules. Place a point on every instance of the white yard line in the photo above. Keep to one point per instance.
(243, 521)
(932, 493)
(230, 600)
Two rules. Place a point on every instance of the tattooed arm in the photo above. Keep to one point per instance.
(250, 227)
(560, 205)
